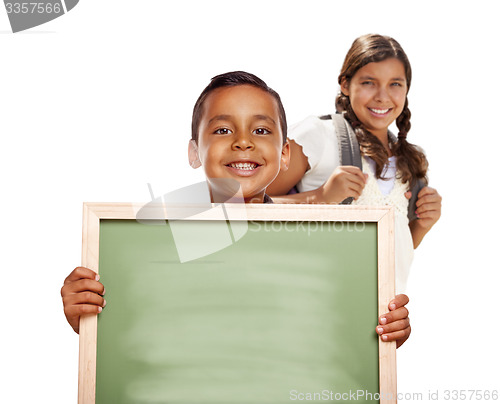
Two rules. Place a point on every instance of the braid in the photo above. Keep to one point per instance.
(403, 121)
(411, 161)
(369, 144)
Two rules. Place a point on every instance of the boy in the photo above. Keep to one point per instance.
(238, 136)
(239, 132)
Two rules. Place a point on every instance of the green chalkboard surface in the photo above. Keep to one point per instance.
(289, 308)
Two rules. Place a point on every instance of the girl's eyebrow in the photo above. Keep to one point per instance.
(373, 78)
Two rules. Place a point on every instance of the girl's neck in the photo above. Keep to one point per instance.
(383, 136)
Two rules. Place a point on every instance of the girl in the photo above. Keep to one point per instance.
(374, 83)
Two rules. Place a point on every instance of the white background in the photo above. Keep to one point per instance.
(97, 103)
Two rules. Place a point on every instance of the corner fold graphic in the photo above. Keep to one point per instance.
(70, 4)
(26, 15)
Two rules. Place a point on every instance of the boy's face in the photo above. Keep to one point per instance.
(240, 138)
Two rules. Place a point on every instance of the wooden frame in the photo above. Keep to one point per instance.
(382, 216)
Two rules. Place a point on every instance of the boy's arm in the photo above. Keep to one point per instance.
(395, 325)
(428, 213)
(82, 293)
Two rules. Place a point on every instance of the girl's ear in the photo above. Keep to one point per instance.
(285, 157)
(344, 87)
(194, 158)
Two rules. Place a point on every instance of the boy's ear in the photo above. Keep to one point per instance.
(194, 158)
(285, 157)
(344, 87)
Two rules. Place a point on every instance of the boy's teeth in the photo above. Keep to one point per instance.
(380, 111)
(244, 166)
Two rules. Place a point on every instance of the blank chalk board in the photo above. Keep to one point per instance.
(280, 306)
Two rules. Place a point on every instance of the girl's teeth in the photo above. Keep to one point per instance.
(243, 166)
(379, 111)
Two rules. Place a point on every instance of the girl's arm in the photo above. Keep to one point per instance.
(286, 180)
(345, 181)
(428, 213)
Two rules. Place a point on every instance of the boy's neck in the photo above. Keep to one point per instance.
(256, 199)
(224, 198)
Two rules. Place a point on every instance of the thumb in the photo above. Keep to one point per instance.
(408, 195)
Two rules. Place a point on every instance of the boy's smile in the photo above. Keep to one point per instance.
(240, 138)
(244, 168)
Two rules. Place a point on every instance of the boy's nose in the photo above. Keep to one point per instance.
(243, 141)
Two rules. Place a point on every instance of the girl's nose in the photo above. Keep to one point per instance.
(382, 94)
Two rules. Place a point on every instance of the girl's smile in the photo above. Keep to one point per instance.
(380, 112)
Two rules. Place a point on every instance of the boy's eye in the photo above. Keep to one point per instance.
(261, 131)
(367, 83)
(223, 131)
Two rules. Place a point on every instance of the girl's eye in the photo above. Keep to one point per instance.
(397, 84)
(223, 131)
(261, 131)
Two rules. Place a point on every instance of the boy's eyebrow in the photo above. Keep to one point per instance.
(265, 118)
(229, 117)
(220, 118)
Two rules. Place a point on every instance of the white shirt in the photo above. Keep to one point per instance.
(319, 143)
(386, 184)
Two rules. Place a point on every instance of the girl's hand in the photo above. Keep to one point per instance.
(82, 293)
(345, 182)
(395, 325)
(428, 213)
(428, 207)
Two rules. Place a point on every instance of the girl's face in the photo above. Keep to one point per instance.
(377, 93)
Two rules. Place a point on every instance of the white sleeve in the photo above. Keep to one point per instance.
(320, 145)
(310, 134)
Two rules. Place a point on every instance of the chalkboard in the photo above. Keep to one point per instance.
(238, 304)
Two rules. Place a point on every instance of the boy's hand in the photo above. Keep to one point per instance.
(82, 294)
(345, 182)
(395, 325)
(428, 207)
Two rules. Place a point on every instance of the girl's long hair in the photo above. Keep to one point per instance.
(411, 161)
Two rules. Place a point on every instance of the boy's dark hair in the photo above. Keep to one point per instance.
(231, 79)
